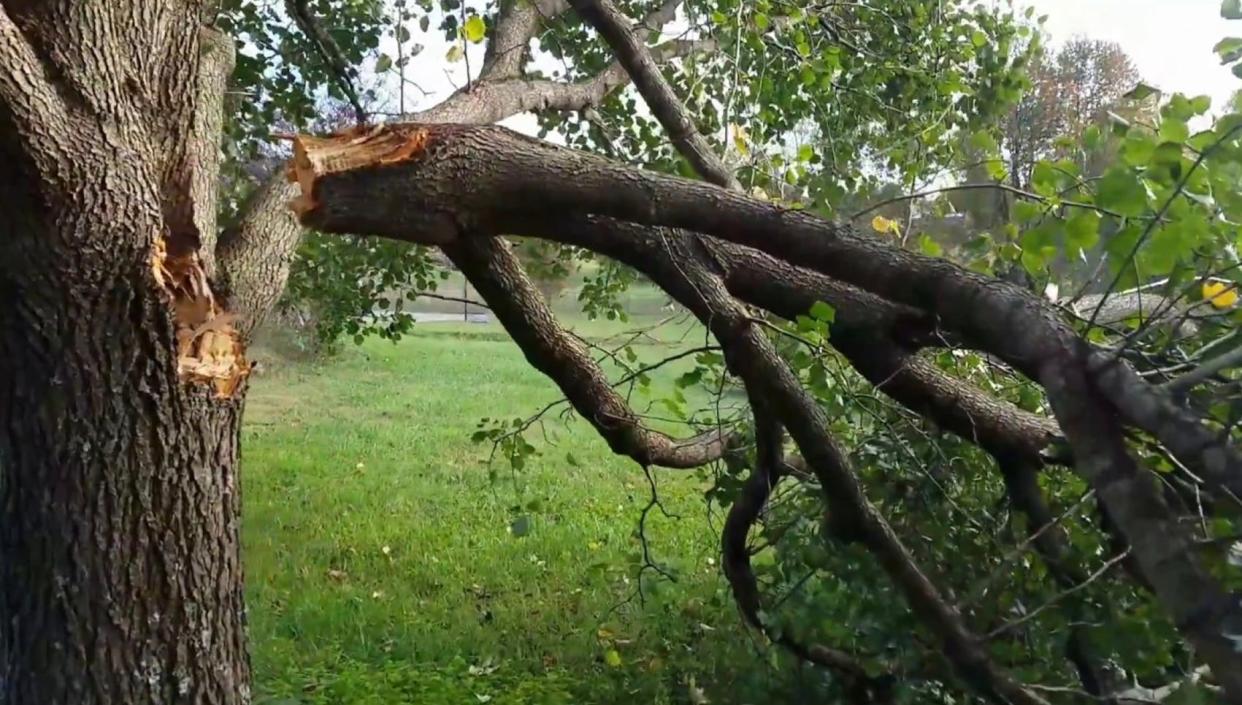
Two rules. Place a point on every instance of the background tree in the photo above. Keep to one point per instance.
(1111, 451)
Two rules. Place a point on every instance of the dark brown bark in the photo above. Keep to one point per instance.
(120, 578)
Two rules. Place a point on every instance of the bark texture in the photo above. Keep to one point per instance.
(120, 578)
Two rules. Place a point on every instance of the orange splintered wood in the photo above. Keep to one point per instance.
(358, 148)
(209, 347)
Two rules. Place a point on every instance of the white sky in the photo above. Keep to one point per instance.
(1170, 41)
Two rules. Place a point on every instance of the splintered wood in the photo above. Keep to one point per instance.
(358, 148)
(209, 348)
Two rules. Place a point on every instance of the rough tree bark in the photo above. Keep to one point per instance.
(120, 391)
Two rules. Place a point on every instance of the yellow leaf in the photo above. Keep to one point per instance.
(740, 139)
(475, 29)
(612, 658)
(883, 225)
(455, 54)
(1221, 295)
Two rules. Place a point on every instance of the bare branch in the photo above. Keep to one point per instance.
(644, 69)
(334, 60)
(254, 255)
(743, 513)
(1221, 363)
(496, 274)
(516, 24)
(1153, 410)
(216, 58)
(989, 186)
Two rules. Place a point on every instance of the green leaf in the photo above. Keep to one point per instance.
(761, 21)
(1174, 130)
(1082, 232)
(1040, 245)
(805, 153)
(978, 38)
(930, 247)
(1138, 148)
(1045, 179)
(521, 526)
(475, 29)
(1121, 191)
(612, 658)
(984, 141)
(1231, 9)
(1142, 91)
(383, 63)
(822, 311)
(454, 54)
(1026, 211)
(1229, 49)
(424, 22)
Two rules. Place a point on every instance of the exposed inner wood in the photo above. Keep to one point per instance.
(352, 149)
(209, 346)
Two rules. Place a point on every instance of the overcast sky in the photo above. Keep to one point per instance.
(1170, 40)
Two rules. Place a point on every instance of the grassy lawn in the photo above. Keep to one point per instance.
(383, 564)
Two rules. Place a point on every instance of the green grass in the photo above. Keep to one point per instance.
(381, 564)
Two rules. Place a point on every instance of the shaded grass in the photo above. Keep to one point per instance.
(382, 561)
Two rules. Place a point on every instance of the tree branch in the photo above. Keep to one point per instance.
(334, 60)
(851, 516)
(644, 70)
(516, 24)
(261, 245)
(743, 513)
(496, 274)
(864, 331)
(216, 58)
(1206, 371)
(1153, 410)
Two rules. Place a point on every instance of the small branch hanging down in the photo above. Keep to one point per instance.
(496, 274)
(768, 470)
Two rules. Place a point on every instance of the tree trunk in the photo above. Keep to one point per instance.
(120, 579)
(122, 378)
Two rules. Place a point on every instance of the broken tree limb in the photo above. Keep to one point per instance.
(490, 178)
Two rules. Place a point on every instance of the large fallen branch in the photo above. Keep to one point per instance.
(460, 177)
